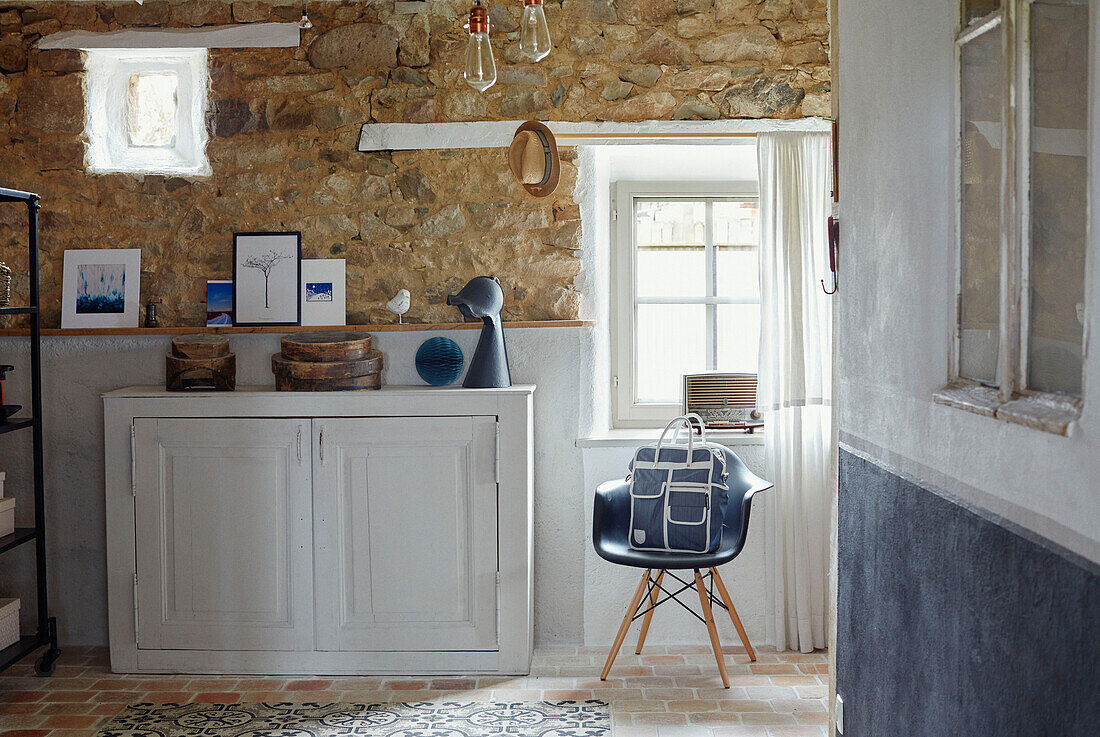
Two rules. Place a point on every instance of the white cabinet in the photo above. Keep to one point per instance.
(223, 535)
(406, 522)
(358, 532)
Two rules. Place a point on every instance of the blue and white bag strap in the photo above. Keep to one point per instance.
(678, 422)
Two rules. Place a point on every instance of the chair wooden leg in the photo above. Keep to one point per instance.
(708, 615)
(649, 615)
(638, 594)
(733, 614)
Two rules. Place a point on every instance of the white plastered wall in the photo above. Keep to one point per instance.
(897, 285)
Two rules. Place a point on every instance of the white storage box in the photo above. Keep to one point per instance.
(7, 516)
(9, 621)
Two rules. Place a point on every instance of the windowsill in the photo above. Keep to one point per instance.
(633, 437)
(1051, 413)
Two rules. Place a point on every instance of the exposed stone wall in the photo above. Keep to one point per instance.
(284, 125)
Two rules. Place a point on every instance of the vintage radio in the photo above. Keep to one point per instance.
(724, 401)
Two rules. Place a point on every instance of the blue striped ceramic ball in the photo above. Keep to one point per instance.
(439, 361)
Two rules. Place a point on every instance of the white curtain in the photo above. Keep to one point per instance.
(795, 383)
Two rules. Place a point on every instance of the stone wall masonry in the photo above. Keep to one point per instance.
(283, 126)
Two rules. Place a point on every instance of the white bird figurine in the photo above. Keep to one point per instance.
(399, 305)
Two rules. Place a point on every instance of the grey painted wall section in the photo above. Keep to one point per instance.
(953, 622)
(895, 307)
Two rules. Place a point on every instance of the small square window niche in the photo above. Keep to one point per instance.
(146, 111)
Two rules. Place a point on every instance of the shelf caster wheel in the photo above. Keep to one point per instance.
(44, 666)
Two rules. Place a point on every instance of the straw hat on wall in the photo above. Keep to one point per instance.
(533, 158)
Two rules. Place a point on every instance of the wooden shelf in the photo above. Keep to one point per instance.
(235, 330)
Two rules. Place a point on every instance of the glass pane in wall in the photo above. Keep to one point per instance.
(1058, 133)
(671, 342)
(736, 223)
(670, 255)
(982, 68)
(736, 245)
(738, 338)
(151, 109)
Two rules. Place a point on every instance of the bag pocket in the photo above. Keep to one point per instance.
(688, 503)
(648, 483)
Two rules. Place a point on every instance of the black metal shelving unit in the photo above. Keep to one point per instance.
(46, 633)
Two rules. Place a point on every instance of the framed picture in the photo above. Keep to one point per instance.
(324, 299)
(101, 288)
(219, 302)
(267, 278)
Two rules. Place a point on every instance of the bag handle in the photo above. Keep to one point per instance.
(678, 422)
(702, 427)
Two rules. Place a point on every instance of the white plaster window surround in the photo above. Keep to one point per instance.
(119, 106)
(1021, 332)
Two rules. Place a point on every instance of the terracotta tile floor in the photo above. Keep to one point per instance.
(666, 692)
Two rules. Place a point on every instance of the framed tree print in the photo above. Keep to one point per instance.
(267, 278)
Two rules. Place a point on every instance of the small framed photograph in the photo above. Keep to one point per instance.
(101, 288)
(219, 302)
(324, 299)
(267, 278)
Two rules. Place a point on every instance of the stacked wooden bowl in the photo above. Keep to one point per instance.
(200, 362)
(327, 361)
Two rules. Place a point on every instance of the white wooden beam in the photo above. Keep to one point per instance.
(237, 36)
(498, 133)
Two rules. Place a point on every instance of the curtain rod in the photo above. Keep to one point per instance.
(652, 136)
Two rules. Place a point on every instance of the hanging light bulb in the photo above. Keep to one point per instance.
(481, 68)
(534, 34)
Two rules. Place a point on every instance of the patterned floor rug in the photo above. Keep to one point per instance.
(427, 719)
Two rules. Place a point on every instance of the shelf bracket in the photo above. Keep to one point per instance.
(496, 451)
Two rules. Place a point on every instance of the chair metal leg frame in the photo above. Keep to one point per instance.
(649, 591)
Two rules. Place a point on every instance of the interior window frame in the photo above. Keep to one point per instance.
(625, 411)
(1011, 399)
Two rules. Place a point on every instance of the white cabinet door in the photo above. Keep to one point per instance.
(405, 521)
(224, 538)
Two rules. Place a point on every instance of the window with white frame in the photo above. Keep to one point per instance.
(685, 291)
(146, 110)
(1023, 210)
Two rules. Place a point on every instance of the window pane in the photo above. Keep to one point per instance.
(671, 271)
(1059, 123)
(736, 223)
(982, 66)
(738, 338)
(151, 109)
(671, 342)
(670, 257)
(736, 243)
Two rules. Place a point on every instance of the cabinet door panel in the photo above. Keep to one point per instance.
(223, 534)
(405, 520)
